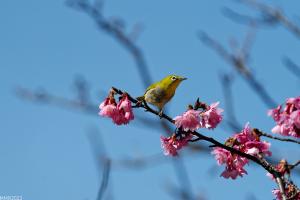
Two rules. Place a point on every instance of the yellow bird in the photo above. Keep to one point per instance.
(161, 92)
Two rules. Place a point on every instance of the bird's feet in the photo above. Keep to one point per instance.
(160, 114)
(139, 104)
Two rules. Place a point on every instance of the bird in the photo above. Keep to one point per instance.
(161, 92)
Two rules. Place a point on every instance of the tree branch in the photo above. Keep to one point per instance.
(294, 165)
(259, 132)
(292, 67)
(239, 63)
(117, 33)
(274, 14)
(260, 161)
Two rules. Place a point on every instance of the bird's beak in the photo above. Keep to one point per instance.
(183, 78)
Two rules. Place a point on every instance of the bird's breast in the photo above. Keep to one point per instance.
(156, 96)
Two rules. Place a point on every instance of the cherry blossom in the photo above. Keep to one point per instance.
(287, 119)
(250, 142)
(120, 113)
(234, 163)
(189, 121)
(212, 116)
(172, 144)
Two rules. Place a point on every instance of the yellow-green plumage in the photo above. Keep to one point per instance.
(161, 92)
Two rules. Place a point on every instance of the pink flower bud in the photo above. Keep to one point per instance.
(120, 113)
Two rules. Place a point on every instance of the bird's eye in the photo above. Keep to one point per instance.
(173, 78)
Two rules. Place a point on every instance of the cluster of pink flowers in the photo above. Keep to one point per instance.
(211, 117)
(246, 141)
(288, 118)
(290, 191)
(120, 113)
(172, 144)
(234, 163)
(249, 142)
(188, 121)
(282, 168)
(194, 119)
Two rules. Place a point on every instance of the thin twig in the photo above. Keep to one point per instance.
(144, 105)
(259, 132)
(248, 20)
(269, 16)
(117, 33)
(274, 14)
(239, 63)
(105, 179)
(294, 165)
(102, 160)
(292, 67)
(41, 96)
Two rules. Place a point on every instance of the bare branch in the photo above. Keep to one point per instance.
(281, 181)
(271, 15)
(103, 162)
(260, 133)
(294, 165)
(247, 20)
(41, 96)
(292, 67)
(264, 164)
(117, 33)
(105, 179)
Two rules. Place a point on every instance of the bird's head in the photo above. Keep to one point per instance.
(172, 81)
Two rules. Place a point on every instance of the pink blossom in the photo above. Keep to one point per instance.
(120, 113)
(247, 141)
(275, 113)
(189, 121)
(108, 108)
(250, 142)
(256, 147)
(292, 104)
(282, 168)
(233, 173)
(124, 106)
(212, 117)
(290, 191)
(295, 117)
(245, 135)
(234, 163)
(270, 176)
(287, 119)
(171, 144)
(277, 194)
(222, 155)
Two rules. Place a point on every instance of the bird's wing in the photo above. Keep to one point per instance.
(154, 85)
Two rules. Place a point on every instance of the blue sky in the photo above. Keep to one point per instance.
(44, 150)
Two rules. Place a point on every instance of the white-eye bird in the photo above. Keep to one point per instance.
(161, 92)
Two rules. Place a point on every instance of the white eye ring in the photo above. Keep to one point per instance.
(173, 78)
